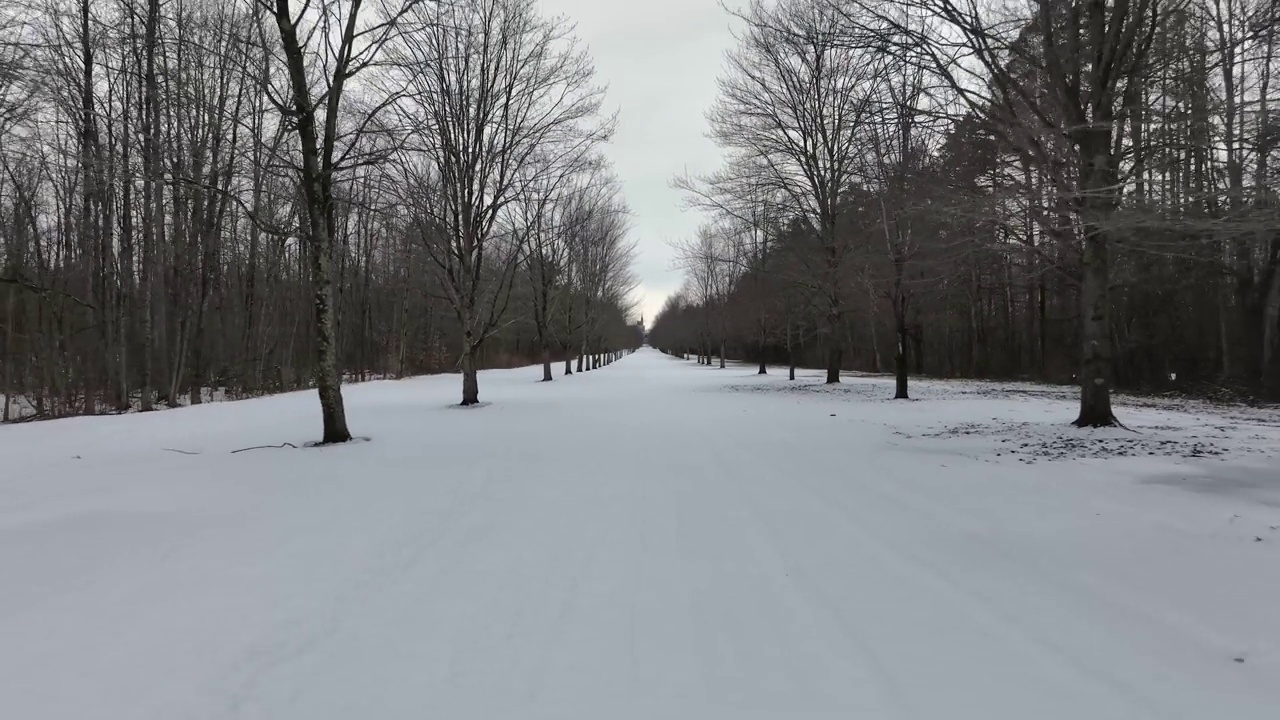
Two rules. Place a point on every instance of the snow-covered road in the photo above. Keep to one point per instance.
(650, 540)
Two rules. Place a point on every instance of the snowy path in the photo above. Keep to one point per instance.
(637, 542)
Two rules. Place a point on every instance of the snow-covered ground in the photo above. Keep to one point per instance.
(650, 540)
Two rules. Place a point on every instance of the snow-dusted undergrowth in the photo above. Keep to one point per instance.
(1031, 422)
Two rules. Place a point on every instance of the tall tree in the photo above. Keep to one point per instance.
(333, 47)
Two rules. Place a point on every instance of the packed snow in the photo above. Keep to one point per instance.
(653, 539)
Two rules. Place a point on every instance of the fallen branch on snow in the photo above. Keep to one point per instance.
(265, 447)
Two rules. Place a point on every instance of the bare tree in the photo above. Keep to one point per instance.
(794, 99)
(902, 139)
(495, 92)
(328, 47)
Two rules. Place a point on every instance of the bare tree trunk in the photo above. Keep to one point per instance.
(791, 355)
(1095, 296)
(1271, 338)
(835, 336)
(328, 382)
(88, 141)
(760, 347)
(316, 177)
(1224, 331)
(6, 390)
(835, 359)
(1095, 389)
(900, 358)
(470, 376)
(152, 202)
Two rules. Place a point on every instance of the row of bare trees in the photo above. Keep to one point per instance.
(1070, 190)
(201, 198)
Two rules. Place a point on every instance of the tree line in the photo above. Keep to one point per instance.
(1067, 190)
(251, 196)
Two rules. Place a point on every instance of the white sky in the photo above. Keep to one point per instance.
(660, 59)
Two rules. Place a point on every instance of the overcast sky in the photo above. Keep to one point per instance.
(660, 59)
